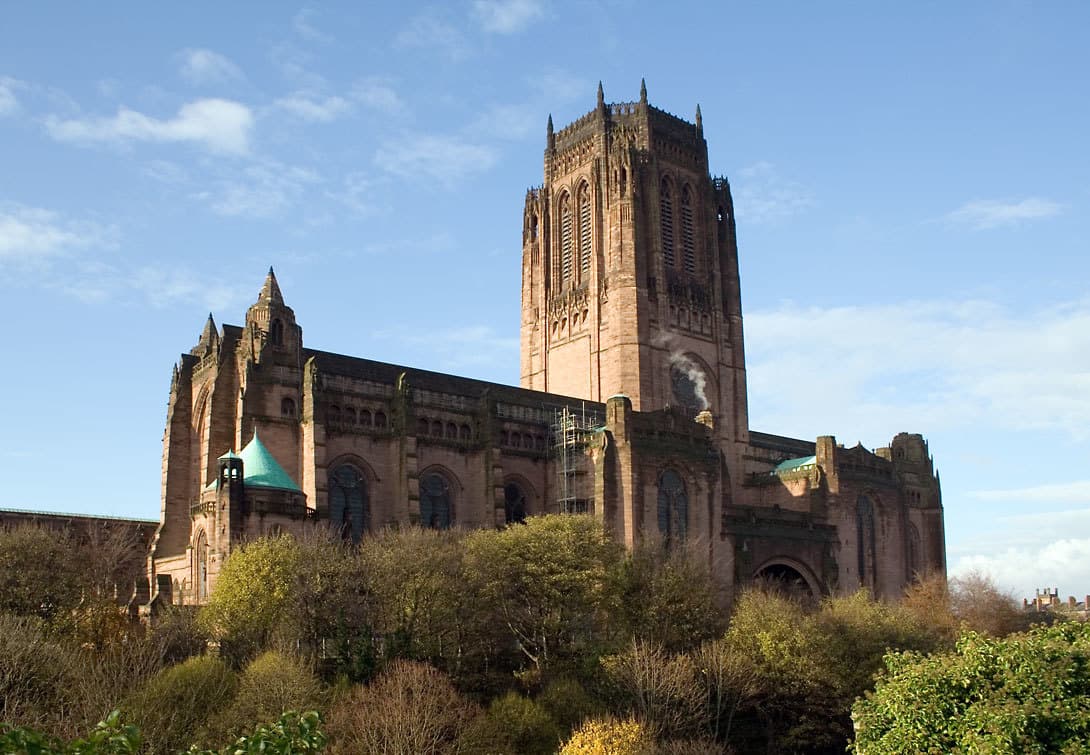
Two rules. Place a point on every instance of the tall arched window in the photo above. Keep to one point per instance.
(666, 212)
(514, 503)
(276, 332)
(864, 528)
(287, 407)
(201, 555)
(349, 510)
(435, 501)
(566, 240)
(688, 244)
(673, 507)
(585, 235)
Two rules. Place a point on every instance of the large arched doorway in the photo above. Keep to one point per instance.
(349, 512)
(788, 578)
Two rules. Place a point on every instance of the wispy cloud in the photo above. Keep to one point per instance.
(222, 126)
(1060, 492)
(762, 195)
(30, 234)
(446, 159)
(159, 286)
(377, 93)
(459, 349)
(314, 108)
(507, 16)
(429, 32)
(305, 29)
(920, 364)
(510, 121)
(200, 66)
(986, 214)
(261, 190)
(9, 103)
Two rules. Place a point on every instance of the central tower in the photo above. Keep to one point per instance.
(630, 268)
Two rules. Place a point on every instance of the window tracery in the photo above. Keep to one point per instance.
(349, 510)
(585, 235)
(673, 507)
(566, 241)
(666, 213)
(688, 245)
(435, 501)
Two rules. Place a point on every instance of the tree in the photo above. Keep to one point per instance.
(38, 574)
(548, 582)
(659, 689)
(610, 737)
(269, 685)
(667, 596)
(1025, 693)
(175, 706)
(411, 707)
(252, 592)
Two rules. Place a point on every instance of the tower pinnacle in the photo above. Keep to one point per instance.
(643, 91)
(601, 97)
(270, 291)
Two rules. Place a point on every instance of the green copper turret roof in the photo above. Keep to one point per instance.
(794, 465)
(261, 470)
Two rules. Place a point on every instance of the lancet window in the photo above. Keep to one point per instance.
(688, 245)
(673, 509)
(666, 213)
(435, 501)
(349, 510)
(585, 235)
(566, 240)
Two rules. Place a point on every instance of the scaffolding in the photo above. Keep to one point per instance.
(571, 433)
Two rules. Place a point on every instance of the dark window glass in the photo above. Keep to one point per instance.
(673, 506)
(514, 503)
(349, 512)
(435, 501)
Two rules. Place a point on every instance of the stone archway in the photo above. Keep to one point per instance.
(790, 577)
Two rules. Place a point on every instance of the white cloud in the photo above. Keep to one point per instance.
(199, 66)
(158, 286)
(377, 94)
(9, 103)
(507, 16)
(262, 190)
(762, 195)
(430, 33)
(219, 125)
(926, 364)
(985, 214)
(1061, 492)
(1064, 564)
(29, 234)
(443, 158)
(315, 108)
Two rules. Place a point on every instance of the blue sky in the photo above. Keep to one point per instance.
(911, 181)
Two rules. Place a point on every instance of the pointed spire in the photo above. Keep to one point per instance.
(271, 290)
(210, 335)
(550, 138)
(549, 125)
(601, 95)
(643, 91)
(699, 120)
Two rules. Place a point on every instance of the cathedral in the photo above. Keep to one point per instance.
(632, 406)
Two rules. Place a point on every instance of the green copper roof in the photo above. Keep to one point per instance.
(229, 455)
(260, 469)
(793, 465)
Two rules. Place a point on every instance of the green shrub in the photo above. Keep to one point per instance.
(512, 725)
(36, 680)
(175, 706)
(568, 703)
(610, 737)
(271, 684)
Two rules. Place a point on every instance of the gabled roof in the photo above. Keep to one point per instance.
(794, 465)
(261, 470)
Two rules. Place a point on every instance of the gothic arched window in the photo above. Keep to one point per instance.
(349, 512)
(688, 244)
(435, 501)
(514, 503)
(276, 332)
(864, 528)
(585, 235)
(287, 407)
(566, 240)
(673, 507)
(666, 213)
(201, 555)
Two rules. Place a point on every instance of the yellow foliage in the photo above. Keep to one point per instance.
(609, 737)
